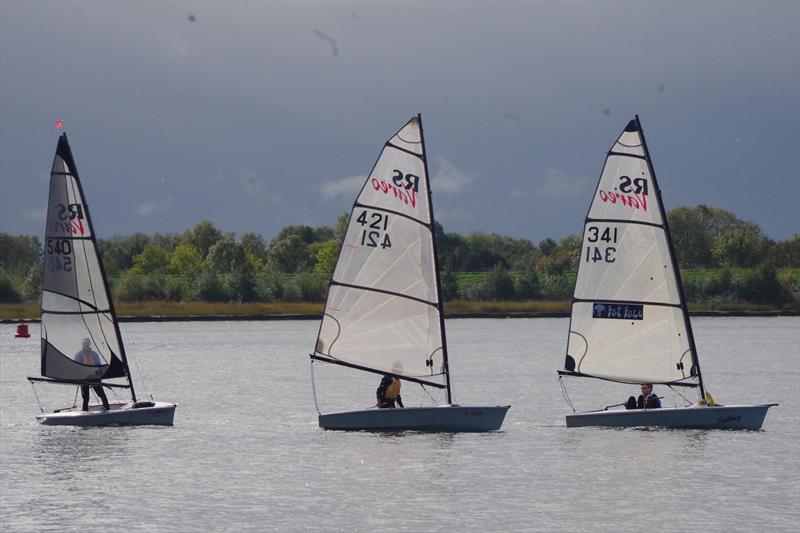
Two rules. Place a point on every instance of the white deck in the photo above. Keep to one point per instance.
(123, 414)
(694, 417)
(445, 418)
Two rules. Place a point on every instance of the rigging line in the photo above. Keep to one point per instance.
(428, 393)
(36, 394)
(75, 399)
(685, 399)
(564, 393)
(314, 387)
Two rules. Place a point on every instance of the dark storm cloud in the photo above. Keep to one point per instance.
(243, 112)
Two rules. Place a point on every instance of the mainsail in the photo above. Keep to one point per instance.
(629, 320)
(80, 337)
(383, 311)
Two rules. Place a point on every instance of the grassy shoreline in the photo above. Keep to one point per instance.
(168, 311)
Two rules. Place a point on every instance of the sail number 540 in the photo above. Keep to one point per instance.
(374, 232)
(601, 251)
(59, 253)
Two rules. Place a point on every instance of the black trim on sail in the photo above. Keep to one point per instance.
(446, 364)
(375, 371)
(618, 221)
(676, 270)
(623, 302)
(80, 382)
(383, 291)
(94, 308)
(68, 237)
(623, 154)
(409, 152)
(582, 375)
(392, 211)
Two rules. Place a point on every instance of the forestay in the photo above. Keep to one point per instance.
(75, 302)
(628, 321)
(382, 311)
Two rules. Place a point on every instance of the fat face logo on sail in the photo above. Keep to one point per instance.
(631, 192)
(70, 219)
(404, 187)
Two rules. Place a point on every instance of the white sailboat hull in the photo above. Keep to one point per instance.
(122, 414)
(695, 417)
(447, 418)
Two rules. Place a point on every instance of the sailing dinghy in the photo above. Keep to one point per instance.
(629, 321)
(81, 341)
(384, 308)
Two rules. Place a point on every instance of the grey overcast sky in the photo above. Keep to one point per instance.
(256, 115)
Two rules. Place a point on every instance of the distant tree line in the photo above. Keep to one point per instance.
(723, 259)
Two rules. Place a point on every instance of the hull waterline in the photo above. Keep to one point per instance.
(445, 418)
(695, 417)
(121, 414)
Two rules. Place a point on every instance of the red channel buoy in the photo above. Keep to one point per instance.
(22, 331)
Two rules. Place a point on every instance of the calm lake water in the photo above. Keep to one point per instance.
(246, 452)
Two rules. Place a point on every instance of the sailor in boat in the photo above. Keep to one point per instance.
(647, 399)
(388, 393)
(87, 356)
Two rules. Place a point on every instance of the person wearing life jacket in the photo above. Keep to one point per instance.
(87, 356)
(388, 393)
(647, 399)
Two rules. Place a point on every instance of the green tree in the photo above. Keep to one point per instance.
(255, 246)
(548, 246)
(185, 261)
(326, 255)
(341, 226)
(449, 283)
(18, 254)
(741, 247)
(289, 255)
(499, 285)
(118, 253)
(528, 286)
(228, 259)
(152, 260)
(203, 236)
(8, 293)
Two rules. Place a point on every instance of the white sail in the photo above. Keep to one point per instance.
(382, 311)
(79, 336)
(627, 321)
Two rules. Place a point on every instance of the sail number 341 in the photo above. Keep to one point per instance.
(374, 232)
(600, 251)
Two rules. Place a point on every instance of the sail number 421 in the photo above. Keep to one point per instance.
(600, 251)
(374, 232)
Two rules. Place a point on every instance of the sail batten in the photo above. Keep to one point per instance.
(628, 319)
(383, 308)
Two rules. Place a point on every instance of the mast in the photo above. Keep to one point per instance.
(74, 169)
(436, 263)
(679, 281)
